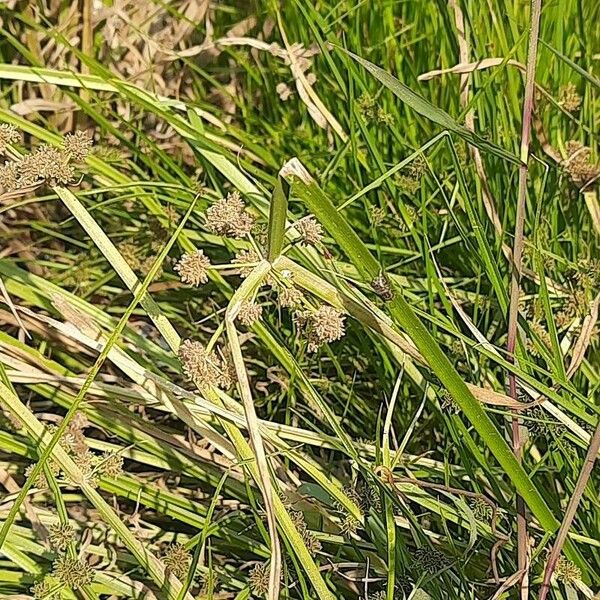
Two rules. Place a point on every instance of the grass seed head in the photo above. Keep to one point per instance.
(193, 268)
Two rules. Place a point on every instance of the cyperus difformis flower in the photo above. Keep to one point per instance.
(177, 559)
(569, 98)
(193, 268)
(77, 145)
(259, 579)
(61, 535)
(246, 259)
(324, 325)
(579, 163)
(111, 465)
(290, 297)
(566, 570)
(8, 135)
(202, 367)
(249, 313)
(229, 217)
(311, 232)
(72, 572)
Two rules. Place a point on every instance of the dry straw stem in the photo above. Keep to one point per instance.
(169, 584)
(515, 287)
(571, 511)
(244, 293)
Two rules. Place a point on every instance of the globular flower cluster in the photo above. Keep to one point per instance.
(229, 217)
(569, 98)
(111, 464)
(290, 297)
(77, 145)
(246, 259)
(41, 481)
(8, 135)
(44, 589)
(579, 164)
(310, 230)
(482, 510)
(177, 559)
(322, 326)
(60, 536)
(566, 571)
(313, 545)
(259, 579)
(193, 268)
(368, 108)
(72, 572)
(249, 313)
(431, 560)
(202, 367)
(46, 164)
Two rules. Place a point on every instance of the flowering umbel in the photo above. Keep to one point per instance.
(193, 268)
(229, 217)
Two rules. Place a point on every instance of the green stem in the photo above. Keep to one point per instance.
(305, 188)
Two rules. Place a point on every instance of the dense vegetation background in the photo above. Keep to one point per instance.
(261, 322)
